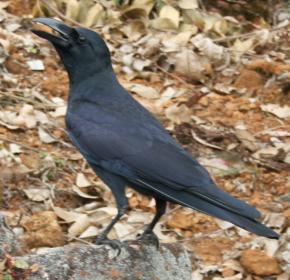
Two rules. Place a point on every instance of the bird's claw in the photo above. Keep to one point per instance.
(113, 243)
(149, 237)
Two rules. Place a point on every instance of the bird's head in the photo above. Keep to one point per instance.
(82, 51)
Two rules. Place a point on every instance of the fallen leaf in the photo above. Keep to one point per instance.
(139, 64)
(59, 112)
(178, 114)
(203, 142)
(94, 16)
(45, 137)
(82, 181)
(247, 139)
(123, 230)
(79, 226)
(191, 65)
(72, 8)
(208, 47)
(188, 4)
(14, 148)
(242, 46)
(35, 65)
(82, 194)
(174, 42)
(144, 91)
(91, 231)
(280, 112)
(67, 216)
(37, 194)
(168, 18)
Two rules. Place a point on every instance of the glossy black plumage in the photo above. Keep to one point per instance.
(126, 145)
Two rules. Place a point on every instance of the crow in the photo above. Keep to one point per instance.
(126, 145)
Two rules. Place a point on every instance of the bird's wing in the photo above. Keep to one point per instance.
(133, 152)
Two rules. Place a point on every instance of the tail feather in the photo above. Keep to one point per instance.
(218, 197)
(209, 207)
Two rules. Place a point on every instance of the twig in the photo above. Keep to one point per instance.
(60, 14)
(3, 138)
(175, 77)
(28, 100)
(245, 35)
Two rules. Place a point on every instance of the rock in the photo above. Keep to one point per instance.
(180, 219)
(249, 79)
(8, 243)
(257, 262)
(81, 261)
(89, 262)
(43, 230)
(211, 250)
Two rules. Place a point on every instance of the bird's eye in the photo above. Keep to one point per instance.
(82, 39)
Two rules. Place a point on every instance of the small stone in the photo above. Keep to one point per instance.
(257, 262)
(43, 230)
(228, 272)
(180, 219)
(249, 79)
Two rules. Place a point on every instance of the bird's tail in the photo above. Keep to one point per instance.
(209, 207)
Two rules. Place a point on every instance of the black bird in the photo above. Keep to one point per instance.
(126, 146)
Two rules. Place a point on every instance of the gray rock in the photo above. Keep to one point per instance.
(135, 262)
(8, 242)
(90, 262)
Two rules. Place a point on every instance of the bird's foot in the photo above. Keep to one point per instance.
(113, 243)
(149, 237)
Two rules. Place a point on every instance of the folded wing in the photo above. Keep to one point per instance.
(163, 167)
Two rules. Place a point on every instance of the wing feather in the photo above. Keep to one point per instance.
(133, 152)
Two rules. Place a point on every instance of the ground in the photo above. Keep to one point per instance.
(220, 87)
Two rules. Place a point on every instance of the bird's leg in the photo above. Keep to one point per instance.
(148, 233)
(117, 186)
(103, 239)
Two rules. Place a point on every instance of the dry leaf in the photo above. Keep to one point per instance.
(280, 112)
(45, 137)
(242, 46)
(82, 181)
(123, 230)
(144, 91)
(35, 65)
(203, 142)
(173, 42)
(139, 64)
(168, 18)
(72, 9)
(188, 4)
(209, 22)
(36, 194)
(191, 65)
(224, 224)
(59, 112)
(271, 246)
(178, 114)
(91, 231)
(266, 153)
(208, 47)
(14, 148)
(79, 226)
(145, 5)
(94, 16)
(247, 139)
(82, 194)
(196, 275)
(67, 216)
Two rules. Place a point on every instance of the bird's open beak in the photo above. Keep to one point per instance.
(63, 33)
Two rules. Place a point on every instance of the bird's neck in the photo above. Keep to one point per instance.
(91, 86)
(80, 73)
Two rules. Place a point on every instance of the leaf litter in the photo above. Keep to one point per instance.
(219, 86)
